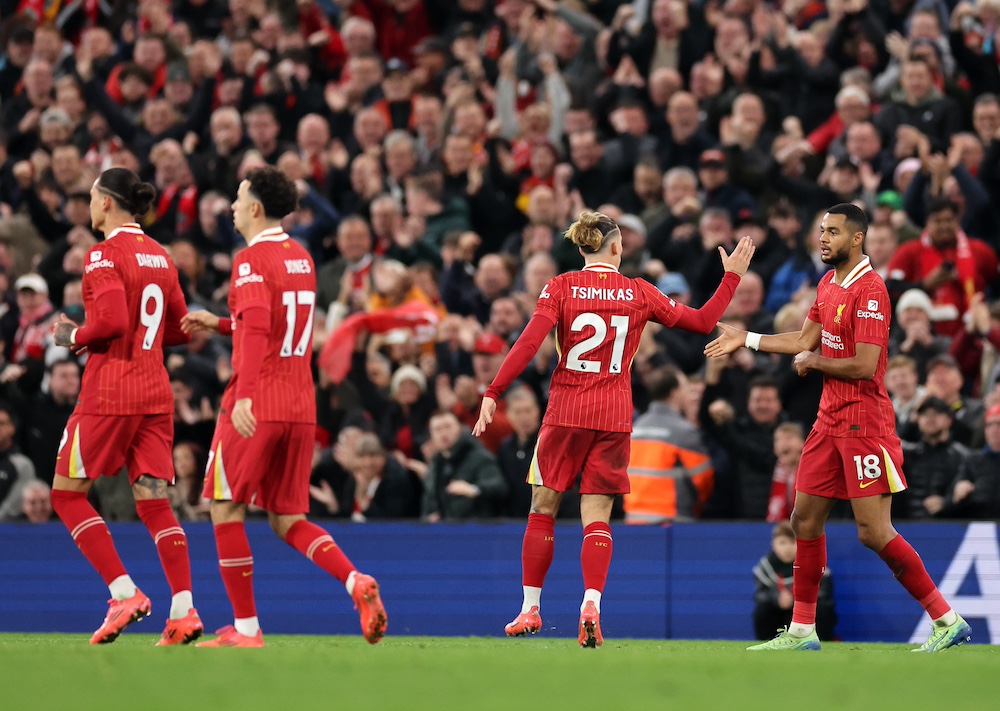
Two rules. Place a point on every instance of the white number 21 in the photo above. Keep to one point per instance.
(574, 359)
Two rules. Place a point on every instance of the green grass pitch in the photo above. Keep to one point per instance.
(50, 671)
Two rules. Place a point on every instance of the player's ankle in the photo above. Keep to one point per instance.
(798, 629)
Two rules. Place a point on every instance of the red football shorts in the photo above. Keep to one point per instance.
(270, 469)
(100, 445)
(599, 459)
(850, 467)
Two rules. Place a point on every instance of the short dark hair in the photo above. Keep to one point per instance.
(940, 204)
(131, 69)
(663, 382)
(763, 381)
(856, 218)
(63, 361)
(275, 191)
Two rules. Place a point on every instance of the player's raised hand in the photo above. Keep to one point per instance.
(486, 412)
(731, 340)
(739, 261)
(195, 321)
(242, 417)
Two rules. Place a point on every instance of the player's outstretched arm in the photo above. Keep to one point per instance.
(521, 354)
(792, 343)
(173, 331)
(665, 311)
(196, 321)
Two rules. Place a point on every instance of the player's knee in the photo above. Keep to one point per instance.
(280, 523)
(805, 526)
(872, 537)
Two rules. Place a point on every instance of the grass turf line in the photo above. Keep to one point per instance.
(51, 671)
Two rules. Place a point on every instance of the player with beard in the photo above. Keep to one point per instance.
(853, 451)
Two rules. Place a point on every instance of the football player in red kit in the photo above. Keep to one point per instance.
(599, 316)
(853, 451)
(134, 304)
(263, 445)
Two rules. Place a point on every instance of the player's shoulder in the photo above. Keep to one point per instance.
(872, 282)
(102, 255)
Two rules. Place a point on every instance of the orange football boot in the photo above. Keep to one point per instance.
(529, 622)
(229, 637)
(122, 613)
(182, 631)
(590, 627)
(368, 603)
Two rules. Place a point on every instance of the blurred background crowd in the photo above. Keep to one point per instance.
(441, 148)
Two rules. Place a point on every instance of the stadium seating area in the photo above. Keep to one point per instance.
(441, 148)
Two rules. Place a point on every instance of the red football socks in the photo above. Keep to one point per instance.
(807, 572)
(536, 549)
(318, 546)
(595, 555)
(171, 543)
(236, 566)
(89, 532)
(909, 570)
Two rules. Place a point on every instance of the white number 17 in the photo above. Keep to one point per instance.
(292, 300)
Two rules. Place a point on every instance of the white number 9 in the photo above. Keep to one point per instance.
(151, 321)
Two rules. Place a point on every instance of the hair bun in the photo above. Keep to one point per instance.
(142, 196)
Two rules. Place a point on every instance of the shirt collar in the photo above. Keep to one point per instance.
(131, 228)
(862, 268)
(600, 267)
(271, 234)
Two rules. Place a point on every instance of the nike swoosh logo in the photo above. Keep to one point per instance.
(866, 484)
(247, 573)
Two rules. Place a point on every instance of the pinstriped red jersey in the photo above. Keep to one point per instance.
(856, 312)
(276, 272)
(599, 318)
(126, 375)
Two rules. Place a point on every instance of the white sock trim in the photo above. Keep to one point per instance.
(181, 604)
(349, 583)
(797, 629)
(122, 588)
(591, 595)
(247, 626)
(532, 598)
(947, 619)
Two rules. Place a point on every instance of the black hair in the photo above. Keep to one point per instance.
(131, 69)
(940, 204)
(275, 191)
(127, 190)
(857, 220)
(764, 381)
(663, 382)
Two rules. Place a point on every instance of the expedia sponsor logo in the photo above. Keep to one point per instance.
(249, 279)
(877, 315)
(102, 264)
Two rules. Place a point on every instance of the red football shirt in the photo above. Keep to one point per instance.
(856, 312)
(126, 375)
(599, 317)
(276, 273)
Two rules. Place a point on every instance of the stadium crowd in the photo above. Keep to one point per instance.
(441, 149)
